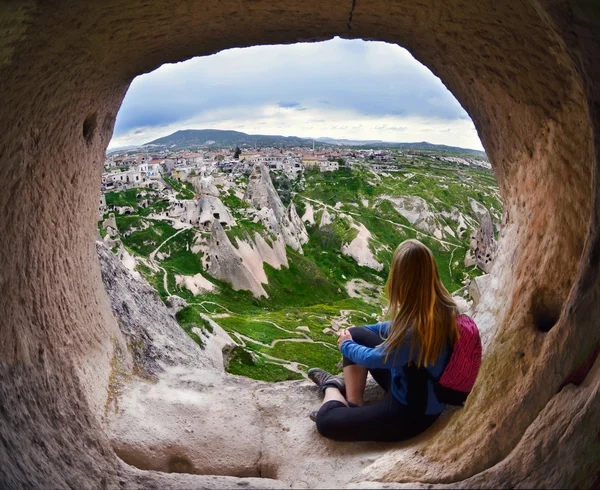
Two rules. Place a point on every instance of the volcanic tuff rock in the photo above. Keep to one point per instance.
(278, 220)
(326, 218)
(309, 215)
(483, 242)
(416, 210)
(202, 211)
(260, 192)
(360, 250)
(154, 338)
(224, 262)
(204, 184)
(532, 420)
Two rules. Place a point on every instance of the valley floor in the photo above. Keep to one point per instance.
(354, 220)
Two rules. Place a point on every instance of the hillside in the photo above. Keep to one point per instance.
(216, 138)
(282, 264)
(204, 138)
(419, 146)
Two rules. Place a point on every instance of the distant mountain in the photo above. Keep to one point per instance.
(421, 146)
(206, 138)
(345, 142)
(217, 138)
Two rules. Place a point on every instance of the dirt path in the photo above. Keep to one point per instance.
(153, 253)
(401, 225)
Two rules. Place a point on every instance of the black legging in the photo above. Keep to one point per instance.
(388, 420)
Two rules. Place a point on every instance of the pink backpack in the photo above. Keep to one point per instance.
(460, 373)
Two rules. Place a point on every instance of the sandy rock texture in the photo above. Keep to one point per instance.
(224, 262)
(277, 219)
(527, 72)
(185, 414)
(153, 337)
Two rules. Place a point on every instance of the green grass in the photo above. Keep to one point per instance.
(184, 190)
(307, 353)
(183, 262)
(242, 363)
(296, 285)
(342, 185)
(233, 202)
(245, 229)
(190, 315)
(154, 278)
(258, 330)
(143, 241)
(127, 197)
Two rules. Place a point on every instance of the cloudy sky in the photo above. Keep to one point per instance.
(338, 88)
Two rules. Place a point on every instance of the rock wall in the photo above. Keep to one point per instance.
(527, 73)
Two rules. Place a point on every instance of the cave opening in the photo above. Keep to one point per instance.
(60, 353)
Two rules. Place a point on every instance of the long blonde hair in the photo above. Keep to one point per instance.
(420, 306)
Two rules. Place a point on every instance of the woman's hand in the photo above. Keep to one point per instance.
(343, 335)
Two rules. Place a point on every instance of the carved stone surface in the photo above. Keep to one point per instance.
(528, 74)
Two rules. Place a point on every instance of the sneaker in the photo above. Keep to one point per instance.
(323, 378)
(313, 415)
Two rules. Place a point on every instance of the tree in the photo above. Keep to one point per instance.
(237, 153)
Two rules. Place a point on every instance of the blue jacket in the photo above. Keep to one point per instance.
(374, 358)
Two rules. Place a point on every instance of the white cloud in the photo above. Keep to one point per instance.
(339, 88)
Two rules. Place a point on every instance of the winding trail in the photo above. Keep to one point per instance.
(153, 254)
(355, 214)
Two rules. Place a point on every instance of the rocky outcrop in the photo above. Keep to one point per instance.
(204, 184)
(196, 284)
(260, 192)
(326, 218)
(483, 242)
(153, 336)
(202, 211)
(278, 220)
(205, 207)
(477, 288)
(273, 253)
(223, 261)
(360, 250)
(292, 229)
(241, 264)
(416, 210)
(309, 216)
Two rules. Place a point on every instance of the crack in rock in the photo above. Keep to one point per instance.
(351, 15)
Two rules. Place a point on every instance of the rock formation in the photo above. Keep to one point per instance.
(260, 192)
(326, 218)
(527, 76)
(206, 206)
(204, 184)
(360, 250)
(478, 287)
(416, 210)
(278, 220)
(308, 217)
(483, 242)
(223, 261)
(154, 338)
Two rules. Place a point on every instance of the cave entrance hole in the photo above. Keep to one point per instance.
(536, 129)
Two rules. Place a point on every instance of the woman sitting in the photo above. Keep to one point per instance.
(402, 355)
